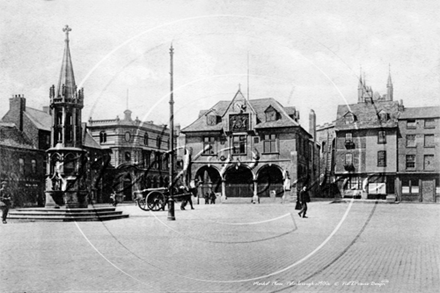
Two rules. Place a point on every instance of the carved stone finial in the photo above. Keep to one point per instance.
(67, 29)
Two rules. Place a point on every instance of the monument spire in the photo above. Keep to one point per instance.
(66, 83)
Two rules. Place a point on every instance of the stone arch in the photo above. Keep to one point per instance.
(270, 178)
(210, 179)
(239, 182)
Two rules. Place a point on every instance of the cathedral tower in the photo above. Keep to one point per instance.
(389, 87)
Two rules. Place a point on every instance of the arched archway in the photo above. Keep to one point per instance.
(239, 182)
(210, 180)
(269, 178)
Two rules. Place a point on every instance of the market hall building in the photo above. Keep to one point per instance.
(251, 147)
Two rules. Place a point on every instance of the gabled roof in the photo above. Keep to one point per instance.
(420, 112)
(367, 115)
(10, 135)
(41, 119)
(88, 140)
(258, 106)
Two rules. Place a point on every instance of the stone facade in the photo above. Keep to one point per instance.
(250, 148)
(138, 151)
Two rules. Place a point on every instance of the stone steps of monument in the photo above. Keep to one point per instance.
(66, 215)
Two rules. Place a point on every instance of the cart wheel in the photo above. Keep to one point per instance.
(142, 203)
(155, 201)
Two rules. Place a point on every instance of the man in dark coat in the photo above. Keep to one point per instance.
(304, 199)
(5, 201)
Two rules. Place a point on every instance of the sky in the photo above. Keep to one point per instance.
(307, 54)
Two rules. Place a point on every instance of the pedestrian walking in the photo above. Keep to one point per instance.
(304, 198)
(213, 197)
(207, 198)
(5, 201)
(192, 191)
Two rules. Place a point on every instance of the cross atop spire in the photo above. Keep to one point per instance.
(67, 29)
(66, 83)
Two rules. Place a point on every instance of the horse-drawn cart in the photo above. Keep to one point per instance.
(155, 199)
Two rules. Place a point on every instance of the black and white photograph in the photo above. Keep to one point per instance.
(219, 146)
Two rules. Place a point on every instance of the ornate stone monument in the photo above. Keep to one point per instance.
(66, 158)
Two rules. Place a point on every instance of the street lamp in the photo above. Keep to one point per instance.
(171, 216)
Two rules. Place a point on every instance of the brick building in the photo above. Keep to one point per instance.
(366, 144)
(22, 166)
(383, 149)
(246, 148)
(418, 154)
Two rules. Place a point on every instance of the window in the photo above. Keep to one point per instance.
(411, 123)
(127, 136)
(209, 145)
(59, 118)
(429, 140)
(102, 137)
(271, 115)
(410, 186)
(146, 158)
(158, 141)
(323, 147)
(256, 140)
(383, 116)
(239, 144)
(429, 123)
(270, 143)
(411, 140)
(381, 158)
(410, 161)
(381, 137)
(68, 119)
(146, 138)
(127, 156)
(428, 162)
(34, 166)
(158, 161)
(349, 118)
(21, 165)
(348, 159)
(68, 133)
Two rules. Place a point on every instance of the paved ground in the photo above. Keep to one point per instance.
(362, 247)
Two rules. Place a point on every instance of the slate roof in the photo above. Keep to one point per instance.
(41, 119)
(258, 105)
(367, 115)
(88, 140)
(10, 135)
(420, 112)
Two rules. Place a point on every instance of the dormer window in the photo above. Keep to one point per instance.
(350, 118)
(271, 114)
(383, 116)
(212, 120)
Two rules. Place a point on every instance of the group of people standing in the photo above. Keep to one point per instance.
(210, 197)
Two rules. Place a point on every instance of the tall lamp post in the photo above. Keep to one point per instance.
(171, 216)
